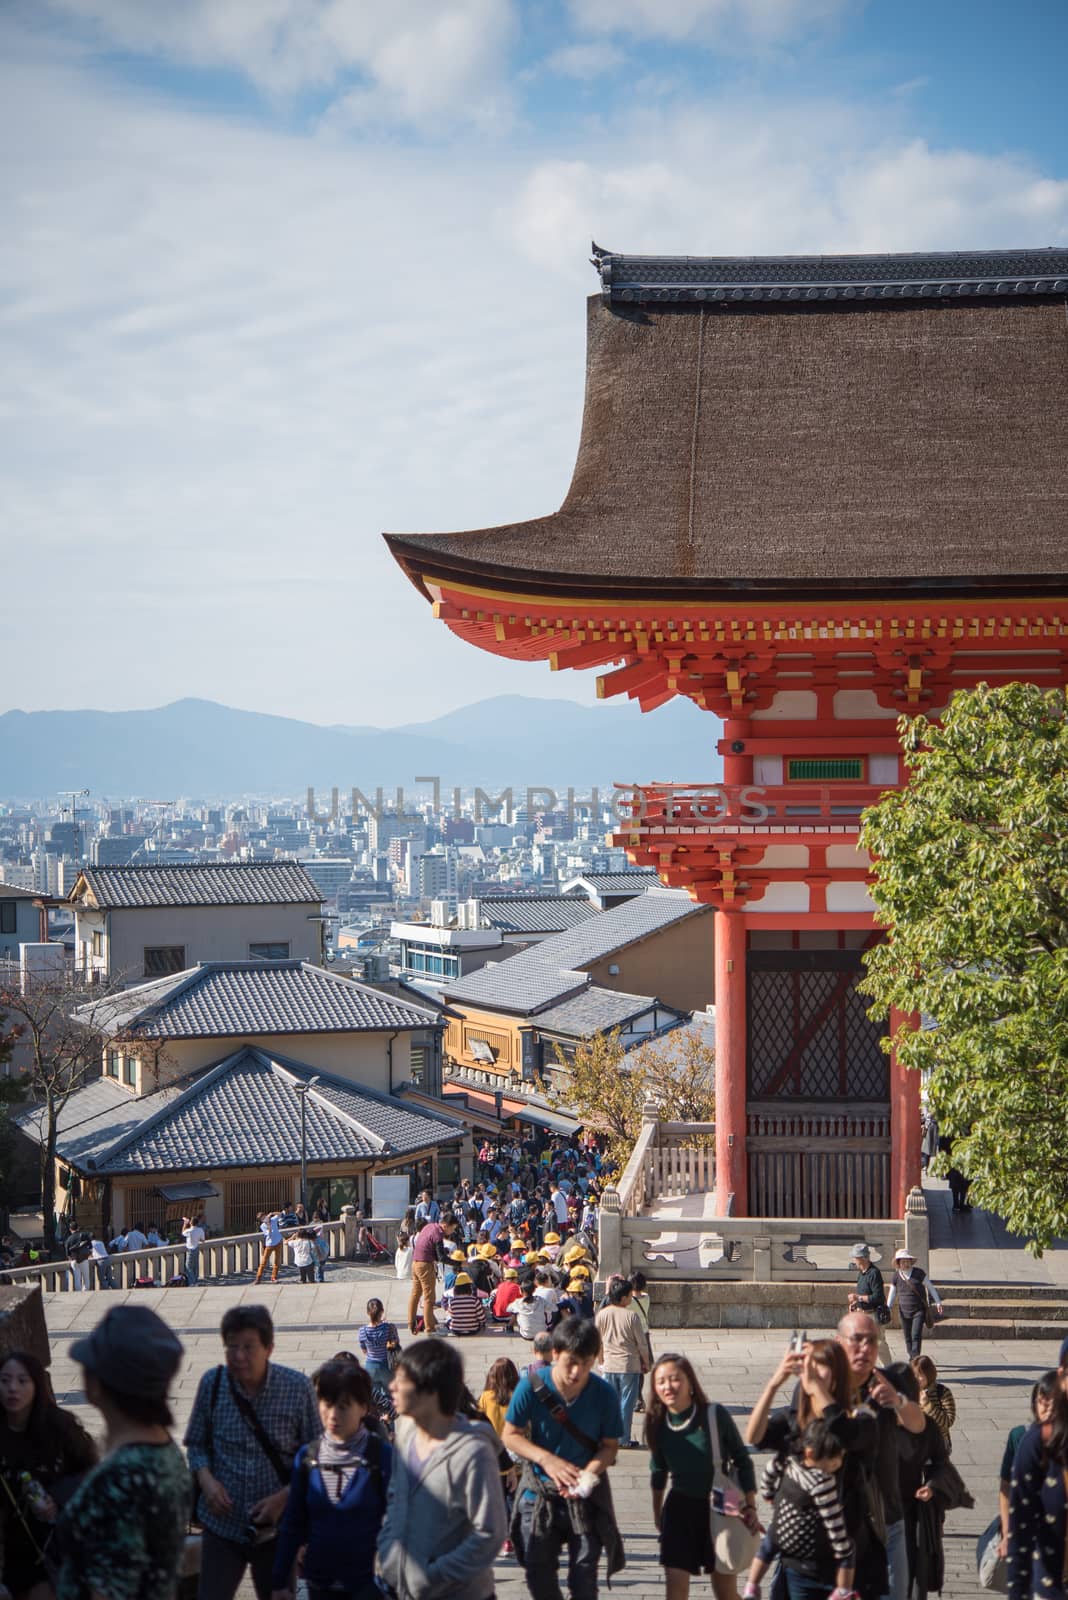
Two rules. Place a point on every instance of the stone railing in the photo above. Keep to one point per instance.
(757, 1249)
(218, 1258)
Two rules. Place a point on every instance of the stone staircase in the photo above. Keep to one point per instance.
(1003, 1311)
(973, 1310)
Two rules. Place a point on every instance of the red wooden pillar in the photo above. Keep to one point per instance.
(731, 1165)
(905, 1132)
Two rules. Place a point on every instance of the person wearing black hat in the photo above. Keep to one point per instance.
(122, 1534)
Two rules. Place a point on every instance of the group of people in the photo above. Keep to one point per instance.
(503, 1277)
(303, 1236)
(387, 1475)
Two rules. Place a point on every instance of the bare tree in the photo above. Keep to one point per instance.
(59, 1019)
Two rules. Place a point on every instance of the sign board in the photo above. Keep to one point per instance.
(390, 1196)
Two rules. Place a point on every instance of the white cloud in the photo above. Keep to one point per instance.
(233, 356)
(413, 60)
(803, 178)
(718, 22)
(585, 61)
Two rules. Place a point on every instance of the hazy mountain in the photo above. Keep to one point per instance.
(199, 749)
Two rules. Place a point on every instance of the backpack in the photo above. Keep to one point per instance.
(322, 1249)
(372, 1461)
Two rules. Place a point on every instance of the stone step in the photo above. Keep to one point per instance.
(1011, 1308)
(996, 1328)
(1047, 1293)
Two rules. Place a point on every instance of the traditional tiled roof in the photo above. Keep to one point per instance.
(551, 971)
(632, 880)
(240, 883)
(241, 1112)
(535, 913)
(995, 274)
(225, 999)
(595, 1010)
(890, 427)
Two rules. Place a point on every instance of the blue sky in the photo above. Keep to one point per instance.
(284, 273)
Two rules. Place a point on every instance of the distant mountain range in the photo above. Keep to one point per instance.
(198, 749)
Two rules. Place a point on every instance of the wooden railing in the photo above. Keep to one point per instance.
(813, 1163)
(218, 1258)
(674, 1159)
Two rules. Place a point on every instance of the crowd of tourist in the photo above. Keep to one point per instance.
(382, 1474)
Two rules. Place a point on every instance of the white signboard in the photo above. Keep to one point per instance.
(390, 1196)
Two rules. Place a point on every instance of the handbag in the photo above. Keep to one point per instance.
(993, 1569)
(733, 1542)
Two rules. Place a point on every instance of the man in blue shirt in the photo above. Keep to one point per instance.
(427, 1210)
(575, 1426)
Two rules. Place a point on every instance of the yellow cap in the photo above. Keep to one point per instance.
(551, 1238)
(457, 1255)
(577, 1283)
(510, 1272)
(580, 1272)
(461, 1277)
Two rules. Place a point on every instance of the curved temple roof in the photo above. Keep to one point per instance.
(892, 425)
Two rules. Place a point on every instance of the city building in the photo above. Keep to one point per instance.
(646, 964)
(135, 922)
(811, 496)
(22, 920)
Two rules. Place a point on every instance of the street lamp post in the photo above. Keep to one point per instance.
(301, 1090)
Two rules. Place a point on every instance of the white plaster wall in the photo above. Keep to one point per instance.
(790, 705)
(781, 897)
(861, 703)
(884, 769)
(785, 855)
(844, 855)
(849, 897)
(767, 769)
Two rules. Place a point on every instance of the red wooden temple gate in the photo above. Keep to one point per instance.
(811, 494)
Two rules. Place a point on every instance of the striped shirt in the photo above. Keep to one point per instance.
(374, 1337)
(467, 1314)
(806, 1501)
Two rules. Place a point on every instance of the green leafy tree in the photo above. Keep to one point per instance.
(601, 1092)
(607, 1085)
(971, 880)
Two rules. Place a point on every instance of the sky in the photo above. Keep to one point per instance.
(279, 275)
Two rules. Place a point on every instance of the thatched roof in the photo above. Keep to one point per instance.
(908, 443)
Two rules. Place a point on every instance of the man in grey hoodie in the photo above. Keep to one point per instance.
(445, 1521)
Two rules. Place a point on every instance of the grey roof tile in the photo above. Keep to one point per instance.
(231, 883)
(536, 913)
(632, 879)
(548, 972)
(595, 1010)
(243, 1111)
(223, 999)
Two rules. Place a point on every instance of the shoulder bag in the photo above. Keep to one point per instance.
(733, 1542)
(992, 1568)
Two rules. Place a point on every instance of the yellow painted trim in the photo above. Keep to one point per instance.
(714, 607)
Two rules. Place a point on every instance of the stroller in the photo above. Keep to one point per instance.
(370, 1249)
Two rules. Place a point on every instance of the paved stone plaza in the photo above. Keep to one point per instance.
(991, 1383)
